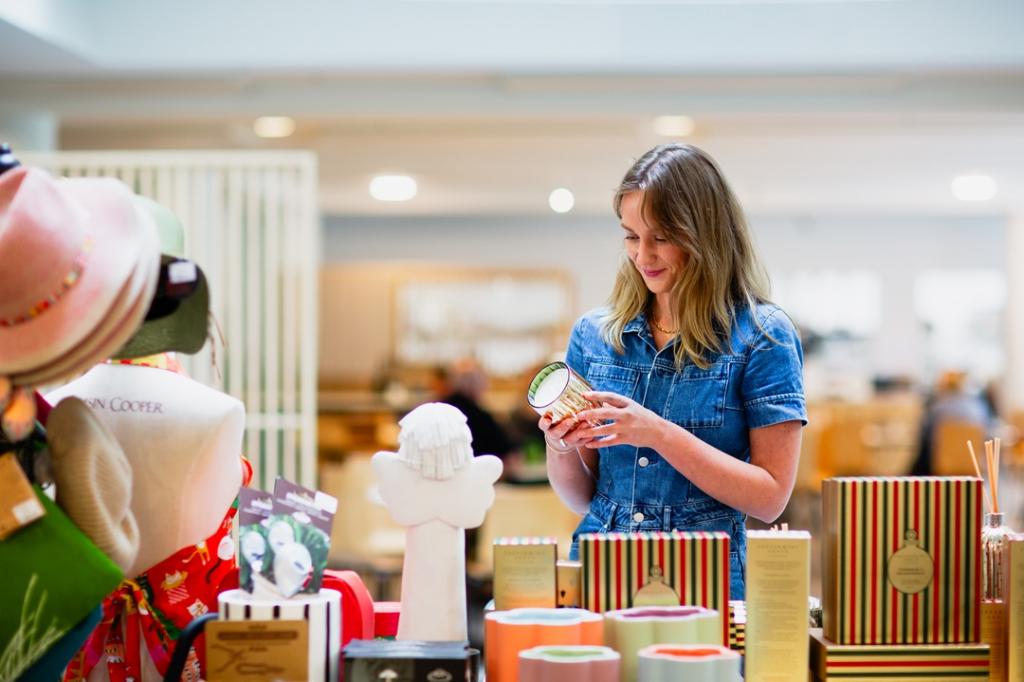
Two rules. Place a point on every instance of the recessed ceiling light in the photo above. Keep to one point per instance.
(974, 187)
(674, 126)
(561, 200)
(392, 188)
(274, 126)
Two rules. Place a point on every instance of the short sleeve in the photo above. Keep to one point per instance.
(574, 356)
(773, 385)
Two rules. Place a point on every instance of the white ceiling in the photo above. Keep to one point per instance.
(515, 36)
(827, 106)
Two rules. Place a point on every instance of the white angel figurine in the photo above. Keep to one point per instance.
(436, 488)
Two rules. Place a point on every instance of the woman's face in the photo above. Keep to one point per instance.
(659, 261)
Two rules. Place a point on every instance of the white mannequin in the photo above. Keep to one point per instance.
(436, 488)
(183, 441)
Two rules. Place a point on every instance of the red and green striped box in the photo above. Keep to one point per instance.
(693, 565)
(897, 662)
(902, 560)
(737, 626)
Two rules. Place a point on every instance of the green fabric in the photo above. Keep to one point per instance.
(53, 576)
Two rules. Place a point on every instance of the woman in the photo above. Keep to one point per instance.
(698, 376)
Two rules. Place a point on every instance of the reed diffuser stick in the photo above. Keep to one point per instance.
(990, 461)
(995, 478)
(977, 472)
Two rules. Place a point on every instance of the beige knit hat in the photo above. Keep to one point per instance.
(435, 439)
(94, 479)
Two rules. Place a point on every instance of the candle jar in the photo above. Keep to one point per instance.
(993, 544)
(557, 392)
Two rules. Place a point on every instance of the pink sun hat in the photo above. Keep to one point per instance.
(67, 249)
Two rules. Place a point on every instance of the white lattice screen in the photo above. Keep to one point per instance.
(252, 224)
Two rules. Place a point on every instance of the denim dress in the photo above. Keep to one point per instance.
(756, 382)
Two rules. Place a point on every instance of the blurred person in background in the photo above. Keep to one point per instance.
(952, 400)
(463, 385)
(698, 375)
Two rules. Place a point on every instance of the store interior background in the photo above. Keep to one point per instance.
(840, 124)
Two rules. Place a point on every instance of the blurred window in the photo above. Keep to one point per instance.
(962, 313)
(832, 302)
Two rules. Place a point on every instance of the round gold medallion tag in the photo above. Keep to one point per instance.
(910, 567)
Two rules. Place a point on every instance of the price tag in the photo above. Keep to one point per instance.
(257, 650)
(18, 503)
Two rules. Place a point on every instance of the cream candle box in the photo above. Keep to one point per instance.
(778, 585)
(524, 572)
(1014, 571)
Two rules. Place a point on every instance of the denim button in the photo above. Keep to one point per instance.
(638, 517)
(643, 461)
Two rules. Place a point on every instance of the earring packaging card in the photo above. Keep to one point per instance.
(18, 504)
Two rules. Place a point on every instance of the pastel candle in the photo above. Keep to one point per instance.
(570, 662)
(506, 633)
(693, 663)
(629, 630)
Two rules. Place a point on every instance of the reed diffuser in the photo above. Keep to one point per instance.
(993, 533)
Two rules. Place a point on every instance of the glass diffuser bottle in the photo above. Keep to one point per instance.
(993, 544)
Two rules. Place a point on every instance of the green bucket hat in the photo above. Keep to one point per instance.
(178, 317)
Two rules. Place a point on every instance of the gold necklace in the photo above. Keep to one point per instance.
(654, 321)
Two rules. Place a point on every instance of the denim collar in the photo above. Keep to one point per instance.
(637, 324)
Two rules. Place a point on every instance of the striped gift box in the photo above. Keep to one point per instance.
(737, 626)
(879, 662)
(902, 560)
(618, 566)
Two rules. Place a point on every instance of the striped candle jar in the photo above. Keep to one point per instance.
(321, 610)
(878, 662)
(621, 570)
(557, 392)
(902, 560)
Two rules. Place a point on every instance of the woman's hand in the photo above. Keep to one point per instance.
(562, 436)
(627, 422)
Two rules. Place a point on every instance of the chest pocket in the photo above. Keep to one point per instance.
(613, 378)
(697, 397)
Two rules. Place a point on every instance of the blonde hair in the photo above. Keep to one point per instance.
(686, 197)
